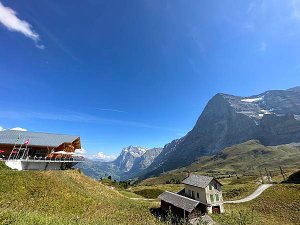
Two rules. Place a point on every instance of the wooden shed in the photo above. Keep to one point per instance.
(181, 206)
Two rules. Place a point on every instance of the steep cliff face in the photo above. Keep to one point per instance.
(272, 117)
(276, 130)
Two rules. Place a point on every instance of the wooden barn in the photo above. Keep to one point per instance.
(181, 206)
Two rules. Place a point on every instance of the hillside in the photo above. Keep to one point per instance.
(246, 158)
(277, 205)
(65, 197)
(272, 117)
(3, 166)
(250, 156)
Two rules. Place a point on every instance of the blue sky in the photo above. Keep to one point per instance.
(138, 72)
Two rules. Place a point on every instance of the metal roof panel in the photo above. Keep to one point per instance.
(36, 138)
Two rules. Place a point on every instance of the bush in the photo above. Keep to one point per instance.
(173, 181)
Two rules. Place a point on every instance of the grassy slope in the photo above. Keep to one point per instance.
(276, 206)
(65, 197)
(3, 166)
(234, 188)
(246, 158)
(249, 156)
(155, 190)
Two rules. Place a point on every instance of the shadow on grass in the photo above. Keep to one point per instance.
(167, 217)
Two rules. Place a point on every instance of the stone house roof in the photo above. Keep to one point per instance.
(199, 180)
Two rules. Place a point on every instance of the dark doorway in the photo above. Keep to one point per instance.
(216, 209)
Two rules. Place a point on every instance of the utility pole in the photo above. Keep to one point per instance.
(261, 176)
(282, 173)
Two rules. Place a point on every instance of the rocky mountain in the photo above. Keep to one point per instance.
(141, 163)
(272, 117)
(131, 161)
(128, 156)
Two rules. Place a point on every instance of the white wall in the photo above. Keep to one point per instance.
(204, 195)
(24, 165)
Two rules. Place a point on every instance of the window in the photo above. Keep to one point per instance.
(216, 186)
(211, 198)
(217, 197)
(198, 195)
(189, 192)
(193, 194)
(210, 187)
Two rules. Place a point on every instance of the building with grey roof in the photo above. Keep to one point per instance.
(37, 150)
(197, 180)
(201, 194)
(180, 205)
(10, 137)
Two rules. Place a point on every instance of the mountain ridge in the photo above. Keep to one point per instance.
(272, 117)
(131, 160)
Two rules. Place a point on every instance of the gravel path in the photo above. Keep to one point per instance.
(254, 195)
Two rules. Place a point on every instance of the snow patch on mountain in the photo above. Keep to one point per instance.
(250, 100)
(135, 151)
(297, 117)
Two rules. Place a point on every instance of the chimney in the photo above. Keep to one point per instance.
(188, 174)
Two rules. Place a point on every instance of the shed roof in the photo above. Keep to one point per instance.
(36, 138)
(179, 201)
(198, 180)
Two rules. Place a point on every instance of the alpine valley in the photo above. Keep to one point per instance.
(131, 161)
(272, 118)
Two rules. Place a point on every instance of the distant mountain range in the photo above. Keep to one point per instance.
(272, 118)
(131, 161)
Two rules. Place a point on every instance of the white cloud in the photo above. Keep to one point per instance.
(102, 156)
(18, 129)
(80, 151)
(15, 128)
(8, 18)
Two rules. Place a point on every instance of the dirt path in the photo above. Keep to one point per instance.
(254, 195)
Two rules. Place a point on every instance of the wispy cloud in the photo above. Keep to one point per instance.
(1, 128)
(295, 9)
(251, 7)
(81, 118)
(248, 26)
(111, 110)
(263, 46)
(8, 18)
